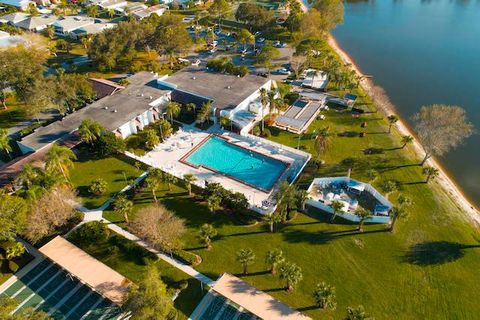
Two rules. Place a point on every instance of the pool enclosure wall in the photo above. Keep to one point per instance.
(379, 219)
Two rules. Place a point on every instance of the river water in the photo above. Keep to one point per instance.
(422, 52)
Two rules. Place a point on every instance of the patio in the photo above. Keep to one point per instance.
(167, 156)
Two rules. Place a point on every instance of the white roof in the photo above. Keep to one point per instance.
(14, 17)
(4, 34)
(255, 301)
(32, 23)
(97, 27)
(71, 23)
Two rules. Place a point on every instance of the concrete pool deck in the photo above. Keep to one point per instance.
(167, 156)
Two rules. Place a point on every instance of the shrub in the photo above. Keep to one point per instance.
(98, 186)
(109, 144)
(187, 257)
(92, 232)
(13, 266)
(266, 133)
(291, 97)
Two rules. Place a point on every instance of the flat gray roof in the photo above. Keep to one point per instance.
(299, 115)
(129, 103)
(227, 91)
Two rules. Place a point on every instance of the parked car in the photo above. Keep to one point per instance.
(284, 71)
(196, 63)
(213, 50)
(183, 60)
(277, 43)
(262, 74)
(260, 40)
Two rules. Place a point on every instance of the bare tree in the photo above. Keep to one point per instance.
(159, 226)
(441, 128)
(49, 212)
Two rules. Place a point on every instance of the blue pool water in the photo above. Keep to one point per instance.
(250, 167)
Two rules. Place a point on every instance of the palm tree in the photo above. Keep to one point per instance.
(191, 107)
(322, 141)
(59, 159)
(264, 102)
(406, 140)
(15, 250)
(5, 142)
(395, 214)
(285, 198)
(291, 274)
(154, 181)
(207, 233)
(336, 206)
(189, 179)
(110, 13)
(273, 259)
(123, 206)
(404, 201)
(392, 119)
(245, 37)
(357, 313)
(388, 187)
(214, 203)
(90, 131)
(362, 214)
(431, 173)
(173, 110)
(27, 177)
(50, 31)
(372, 174)
(314, 74)
(325, 296)
(92, 11)
(169, 179)
(245, 257)
(302, 197)
(272, 219)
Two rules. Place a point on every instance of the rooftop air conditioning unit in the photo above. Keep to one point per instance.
(106, 108)
(115, 110)
(193, 78)
(229, 87)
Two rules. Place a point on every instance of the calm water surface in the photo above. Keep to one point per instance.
(423, 52)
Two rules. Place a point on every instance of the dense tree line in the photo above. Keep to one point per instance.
(116, 48)
(256, 16)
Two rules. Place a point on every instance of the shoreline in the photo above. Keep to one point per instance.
(444, 179)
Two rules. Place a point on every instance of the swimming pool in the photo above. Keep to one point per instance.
(246, 166)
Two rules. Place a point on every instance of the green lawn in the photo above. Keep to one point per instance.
(14, 113)
(423, 270)
(131, 260)
(116, 170)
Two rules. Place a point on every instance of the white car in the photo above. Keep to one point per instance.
(183, 60)
(277, 43)
(213, 50)
(196, 63)
(260, 40)
(284, 71)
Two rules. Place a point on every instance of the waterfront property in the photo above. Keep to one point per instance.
(246, 164)
(67, 283)
(352, 194)
(232, 298)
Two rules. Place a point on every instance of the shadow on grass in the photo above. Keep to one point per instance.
(436, 252)
(303, 309)
(252, 274)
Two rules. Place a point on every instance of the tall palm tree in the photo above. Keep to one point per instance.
(406, 140)
(323, 141)
(392, 119)
(314, 74)
(191, 107)
(291, 274)
(404, 201)
(5, 142)
(59, 159)
(123, 206)
(207, 233)
(362, 214)
(245, 257)
(173, 110)
(189, 179)
(431, 173)
(90, 131)
(169, 179)
(27, 177)
(395, 214)
(285, 198)
(272, 219)
(388, 187)
(15, 250)
(214, 203)
(325, 296)
(273, 259)
(302, 197)
(264, 102)
(154, 181)
(337, 206)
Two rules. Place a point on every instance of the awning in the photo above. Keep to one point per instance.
(87, 269)
(353, 184)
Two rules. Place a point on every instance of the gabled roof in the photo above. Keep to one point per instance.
(104, 87)
(256, 301)
(68, 24)
(15, 17)
(32, 23)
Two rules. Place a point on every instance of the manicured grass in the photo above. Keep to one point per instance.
(115, 170)
(416, 272)
(131, 260)
(14, 113)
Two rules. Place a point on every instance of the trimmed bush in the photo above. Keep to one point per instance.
(98, 187)
(187, 257)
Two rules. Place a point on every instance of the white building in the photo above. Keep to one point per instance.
(22, 4)
(37, 23)
(126, 111)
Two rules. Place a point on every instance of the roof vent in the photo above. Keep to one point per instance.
(115, 110)
(151, 98)
(194, 78)
(229, 87)
(142, 94)
(106, 108)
